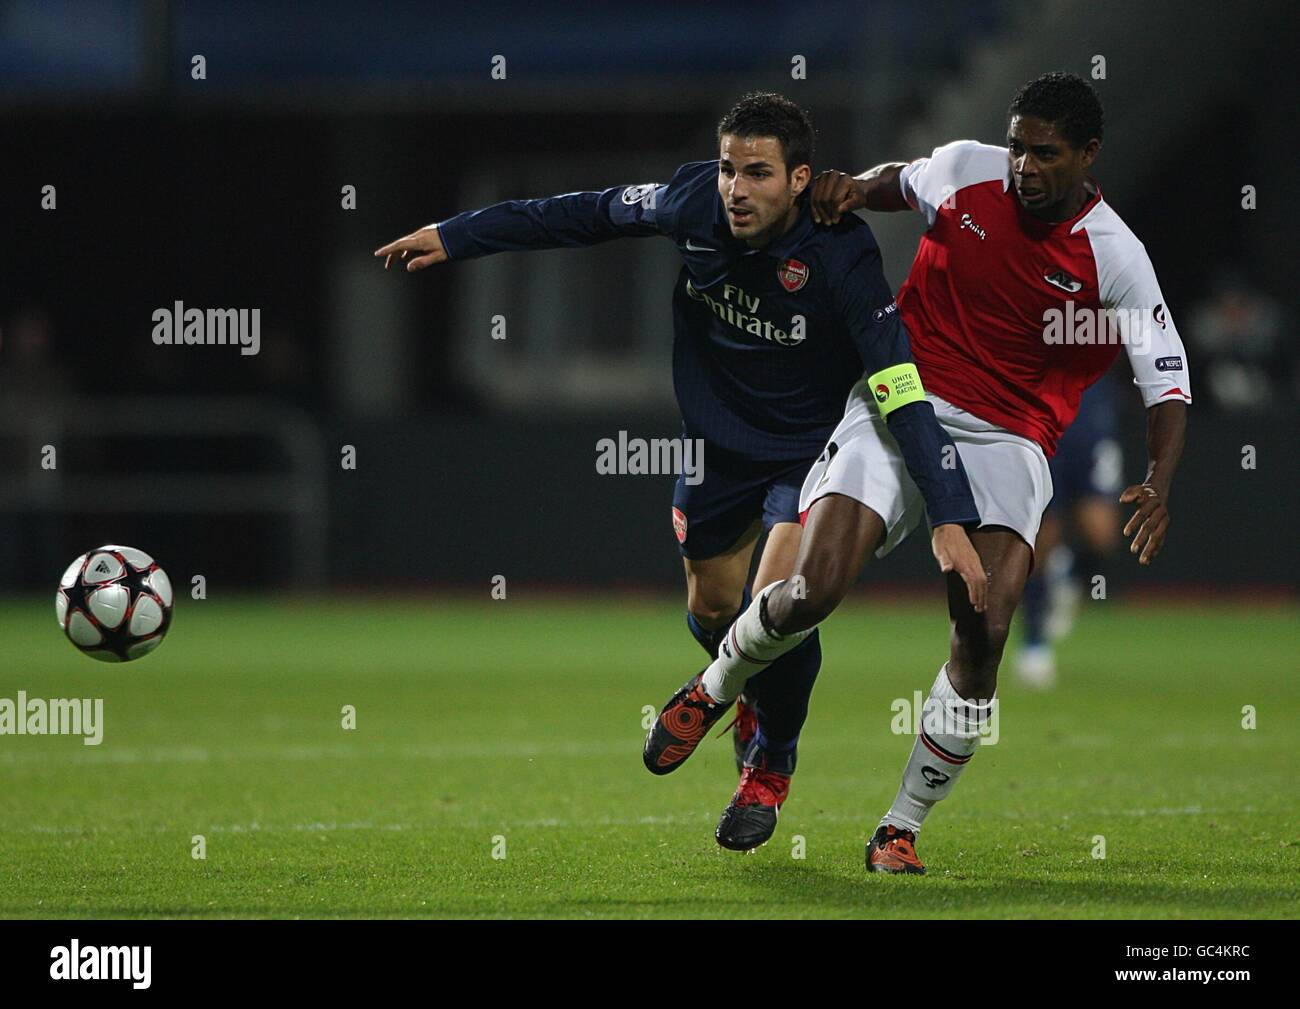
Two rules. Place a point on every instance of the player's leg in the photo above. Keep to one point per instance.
(715, 589)
(1088, 470)
(1012, 485)
(780, 701)
(857, 480)
(960, 701)
(780, 693)
(769, 716)
(840, 536)
(1097, 526)
(718, 523)
(978, 639)
(1035, 663)
(776, 561)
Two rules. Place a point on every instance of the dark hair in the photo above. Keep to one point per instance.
(1064, 100)
(766, 114)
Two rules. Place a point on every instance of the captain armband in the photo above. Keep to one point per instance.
(896, 386)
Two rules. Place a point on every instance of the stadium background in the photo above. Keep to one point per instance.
(476, 456)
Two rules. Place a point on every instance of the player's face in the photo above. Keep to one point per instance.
(757, 191)
(1047, 171)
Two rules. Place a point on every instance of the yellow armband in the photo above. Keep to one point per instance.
(896, 386)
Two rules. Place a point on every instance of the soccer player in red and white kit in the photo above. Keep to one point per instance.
(1025, 286)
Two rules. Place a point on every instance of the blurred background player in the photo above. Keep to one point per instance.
(1080, 529)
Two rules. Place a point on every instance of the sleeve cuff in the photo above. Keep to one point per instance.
(455, 237)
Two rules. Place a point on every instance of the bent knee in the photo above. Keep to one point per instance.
(712, 611)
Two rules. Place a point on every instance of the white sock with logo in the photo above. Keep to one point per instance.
(748, 648)
(950, 733)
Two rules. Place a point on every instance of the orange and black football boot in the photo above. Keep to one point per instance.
(683, 722)
(750, 818)
(893, 849)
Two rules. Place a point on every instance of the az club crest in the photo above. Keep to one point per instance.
(1059, 278)
(793, 274)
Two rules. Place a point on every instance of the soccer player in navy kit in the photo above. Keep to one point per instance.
(774, 320)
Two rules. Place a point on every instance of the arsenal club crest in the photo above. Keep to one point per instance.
(793, 274)
(679, 525)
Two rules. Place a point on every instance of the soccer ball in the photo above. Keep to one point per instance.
(114, 603)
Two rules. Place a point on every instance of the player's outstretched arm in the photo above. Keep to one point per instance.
(556, 222)
(1166, 435)
(835, 193)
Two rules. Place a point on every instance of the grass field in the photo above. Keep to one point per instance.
(522, 719)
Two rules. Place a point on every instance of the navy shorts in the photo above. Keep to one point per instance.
(1088, 460)
(709, 517)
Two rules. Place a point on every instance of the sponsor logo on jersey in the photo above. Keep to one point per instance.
(793, 274)
(1059, 278)
(969, 222)
(1159, 315)
(679, 525)
(1169, 364)
(636, 194)
(881, 313)
(740, 309)
(692, 247)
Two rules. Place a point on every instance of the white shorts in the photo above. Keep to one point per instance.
(1008, 474)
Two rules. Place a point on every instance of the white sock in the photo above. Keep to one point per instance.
(748, 648)
(950, 733)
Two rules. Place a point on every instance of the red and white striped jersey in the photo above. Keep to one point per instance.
(1012, 317)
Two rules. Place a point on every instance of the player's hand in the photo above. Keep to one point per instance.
(835, 194)
(426, 241)
(955, 552)
(1150, 521)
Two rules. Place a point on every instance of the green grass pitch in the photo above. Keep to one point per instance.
(521, 719)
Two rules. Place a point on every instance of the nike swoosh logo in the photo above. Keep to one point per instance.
(692, 247)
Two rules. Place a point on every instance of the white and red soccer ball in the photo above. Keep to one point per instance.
(114, 603)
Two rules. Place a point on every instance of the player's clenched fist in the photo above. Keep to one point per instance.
(1150, 521)
(955, 552)
(835, 194)
(426, 241)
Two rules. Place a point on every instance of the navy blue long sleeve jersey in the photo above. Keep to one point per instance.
(767, 342)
